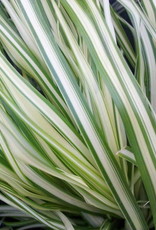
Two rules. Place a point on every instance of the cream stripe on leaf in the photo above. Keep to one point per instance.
(92, 84)
(29, 63)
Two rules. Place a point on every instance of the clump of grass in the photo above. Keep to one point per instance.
(78, 127)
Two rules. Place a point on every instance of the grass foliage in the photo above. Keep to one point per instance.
(77, 114)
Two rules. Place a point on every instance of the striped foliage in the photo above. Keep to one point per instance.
(77, 114)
